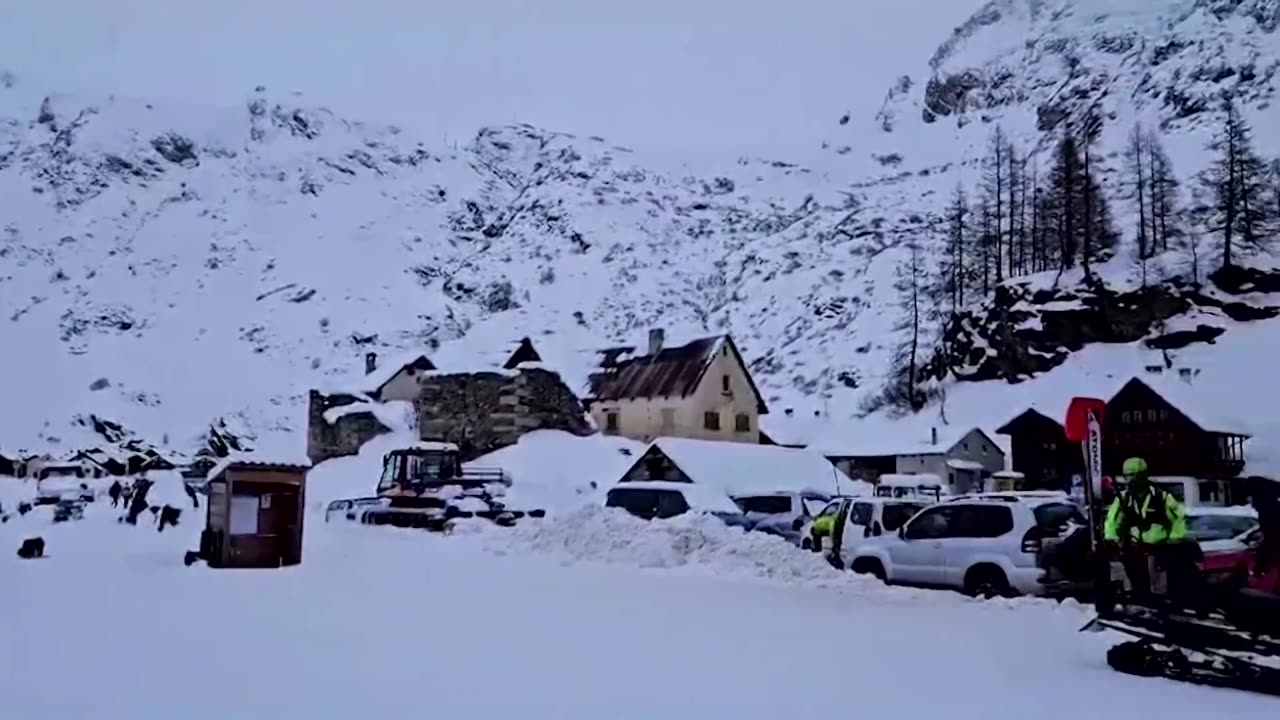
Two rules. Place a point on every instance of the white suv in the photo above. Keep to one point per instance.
(984, 546)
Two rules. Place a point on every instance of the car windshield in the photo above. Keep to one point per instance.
(897, 514)
(1202, 528)
(814, 505)
(765, 504)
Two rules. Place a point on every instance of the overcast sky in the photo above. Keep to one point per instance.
(745, 75)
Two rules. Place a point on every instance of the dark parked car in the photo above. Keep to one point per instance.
(651, 500)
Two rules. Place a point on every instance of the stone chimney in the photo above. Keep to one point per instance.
(370, 362)
(933, 436)
(656, 338)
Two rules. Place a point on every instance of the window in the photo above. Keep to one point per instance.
(611, 422)
(832, 508)
(742, 422)
(671, 504)
(930, 525)
(668, 420)
(724, 383)
(1209, 527)
(897, 515)
(861, 514)
(711, 420)
(1209, 492)
(1055, 515)
(812, 505)
(641, 503)
(981, 521)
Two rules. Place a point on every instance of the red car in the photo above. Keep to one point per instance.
(1228, 537)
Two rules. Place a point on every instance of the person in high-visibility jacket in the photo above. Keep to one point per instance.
(1143, 519)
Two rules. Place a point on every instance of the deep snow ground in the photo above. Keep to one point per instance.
(385, 623)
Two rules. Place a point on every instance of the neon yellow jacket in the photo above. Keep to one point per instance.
(823, 526)
(1149, 517)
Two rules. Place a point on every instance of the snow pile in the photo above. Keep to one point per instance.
(555, 470)
(609, 535)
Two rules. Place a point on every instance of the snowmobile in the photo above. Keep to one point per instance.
(1184, 628)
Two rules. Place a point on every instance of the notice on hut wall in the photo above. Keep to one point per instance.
(244, 515)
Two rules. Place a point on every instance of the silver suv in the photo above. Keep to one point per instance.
(983, 546)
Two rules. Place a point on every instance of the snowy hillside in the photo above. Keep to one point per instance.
(203, 262)
(168, 264)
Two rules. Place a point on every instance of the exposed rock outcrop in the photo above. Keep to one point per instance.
(1022, 332)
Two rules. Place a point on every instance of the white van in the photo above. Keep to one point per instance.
(925, 486)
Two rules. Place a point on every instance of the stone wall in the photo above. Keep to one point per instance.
(486, 411)
(342, 437)
(481, 412)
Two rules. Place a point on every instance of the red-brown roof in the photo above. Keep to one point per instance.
(672, 372)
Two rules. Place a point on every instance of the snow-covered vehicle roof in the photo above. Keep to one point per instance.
(1223, 510)
(810, 494)
(699, 497)
(915, 480)
(741, 468)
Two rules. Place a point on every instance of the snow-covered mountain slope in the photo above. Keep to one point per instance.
(164, 264)
(1036, 66)
(1033, 68)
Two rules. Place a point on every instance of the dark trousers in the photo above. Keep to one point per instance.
(1137, 566)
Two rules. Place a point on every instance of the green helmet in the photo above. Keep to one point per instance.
(1135, 467)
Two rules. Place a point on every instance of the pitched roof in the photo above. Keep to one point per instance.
(1196, 403)
(1025, 415)
(870, 438)
(375, 381)
(672, 372)
(746, 468)
(248, 462)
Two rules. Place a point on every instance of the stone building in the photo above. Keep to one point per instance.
(481, 410)
(484, 411)
(338, 424)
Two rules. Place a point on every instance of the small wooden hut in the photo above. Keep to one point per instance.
(254, 515)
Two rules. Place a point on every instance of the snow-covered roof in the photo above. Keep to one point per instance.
(881, 438)
(396, 415)
(673, 371)
(433, 446)
(355, 381)
(797, 428)
(910, 480)
(959, 464)
(699, 496)
(250, 459)
(1228, 510)
(1198, 402)
(742, 467)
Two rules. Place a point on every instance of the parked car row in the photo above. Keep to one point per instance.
(984, 544)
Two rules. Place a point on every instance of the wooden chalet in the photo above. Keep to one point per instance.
(1163, 428)
(1041, 451)
(1175, 440)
